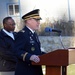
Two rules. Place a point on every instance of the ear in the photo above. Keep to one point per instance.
(4, 25)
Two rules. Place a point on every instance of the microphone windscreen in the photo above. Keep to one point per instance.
(47, 29)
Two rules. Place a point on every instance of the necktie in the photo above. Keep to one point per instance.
(36, 36)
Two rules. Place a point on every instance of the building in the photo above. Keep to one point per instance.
(13, 8)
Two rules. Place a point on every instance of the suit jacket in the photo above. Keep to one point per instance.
(27, 42)
(7, 57)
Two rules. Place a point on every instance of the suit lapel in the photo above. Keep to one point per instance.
(34, 37)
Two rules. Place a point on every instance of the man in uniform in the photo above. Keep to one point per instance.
(7, 40)
(27, 46)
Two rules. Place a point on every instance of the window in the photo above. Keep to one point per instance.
(13, 9)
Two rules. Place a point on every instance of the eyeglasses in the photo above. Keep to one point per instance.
(36, 19)
(11, 24)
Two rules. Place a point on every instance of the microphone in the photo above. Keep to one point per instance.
(48, 29)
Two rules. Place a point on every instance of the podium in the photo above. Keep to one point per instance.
(56, 62)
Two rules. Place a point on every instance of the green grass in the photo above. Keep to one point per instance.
(70, 69)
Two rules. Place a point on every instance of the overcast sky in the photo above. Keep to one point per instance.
(54, 9)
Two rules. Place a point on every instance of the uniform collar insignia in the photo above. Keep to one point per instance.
(23, 31)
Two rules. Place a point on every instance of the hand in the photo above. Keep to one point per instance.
(35, 58)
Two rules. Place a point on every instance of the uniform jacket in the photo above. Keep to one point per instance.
(7, 58)
(27, 42)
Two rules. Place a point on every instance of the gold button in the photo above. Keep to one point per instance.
(33, 48)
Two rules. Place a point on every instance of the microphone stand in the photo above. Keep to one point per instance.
(60, 38)
(63, 68)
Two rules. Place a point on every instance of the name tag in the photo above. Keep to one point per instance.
(32, 42)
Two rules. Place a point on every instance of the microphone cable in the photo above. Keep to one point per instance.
(60, 38)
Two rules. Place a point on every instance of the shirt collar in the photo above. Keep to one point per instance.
(9, 34)
(30, 29)
(7, 31)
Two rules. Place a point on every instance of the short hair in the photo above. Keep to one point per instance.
(6, 19)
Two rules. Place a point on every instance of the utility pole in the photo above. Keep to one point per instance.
(69, 10)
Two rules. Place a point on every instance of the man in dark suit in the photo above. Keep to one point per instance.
(27, 46)
(7, 40)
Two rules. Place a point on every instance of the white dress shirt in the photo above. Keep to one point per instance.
(9, 34)
(30, 29)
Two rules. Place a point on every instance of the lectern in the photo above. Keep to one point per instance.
(56, 62)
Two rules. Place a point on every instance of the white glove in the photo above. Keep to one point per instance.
(35, 58)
